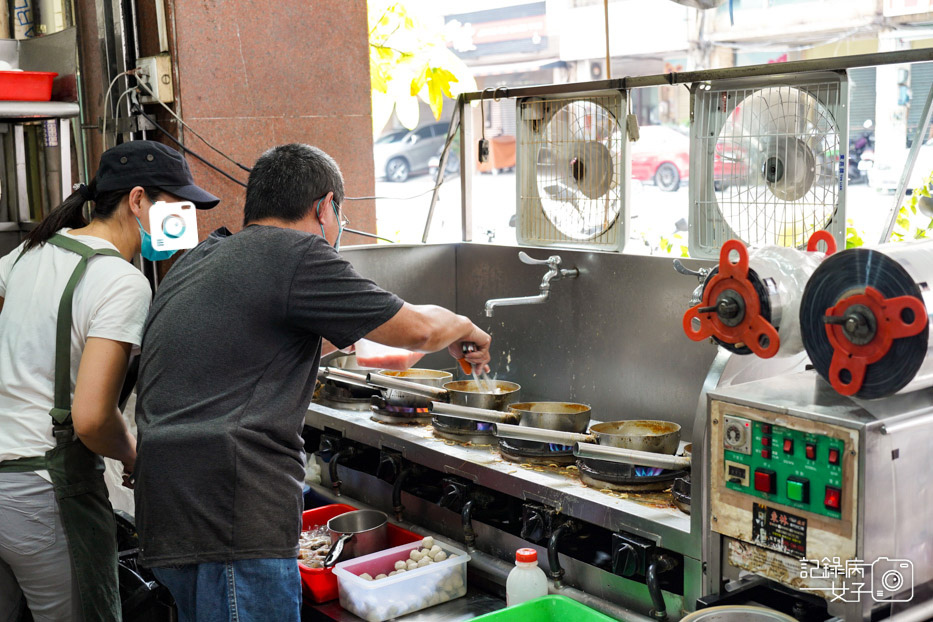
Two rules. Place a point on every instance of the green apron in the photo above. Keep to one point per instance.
(77, 473)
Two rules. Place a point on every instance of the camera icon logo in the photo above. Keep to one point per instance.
(892, 580)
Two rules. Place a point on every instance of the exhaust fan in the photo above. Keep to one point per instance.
(571, 171)
(767, 163)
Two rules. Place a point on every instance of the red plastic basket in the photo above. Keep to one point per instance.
(28, 86)
(319, 585)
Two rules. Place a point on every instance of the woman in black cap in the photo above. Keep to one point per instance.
(73, 308)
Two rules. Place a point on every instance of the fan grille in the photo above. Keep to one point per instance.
(571, 171)
(770, 164)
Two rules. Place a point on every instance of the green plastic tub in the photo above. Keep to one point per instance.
(546, 609)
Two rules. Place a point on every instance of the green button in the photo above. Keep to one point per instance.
(797, 490)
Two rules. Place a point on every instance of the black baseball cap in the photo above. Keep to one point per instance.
(150, 164)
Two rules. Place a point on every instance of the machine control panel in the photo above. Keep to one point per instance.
(782, 465)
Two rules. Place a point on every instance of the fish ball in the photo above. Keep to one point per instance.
(427, 542)
(399, 565)
(440, 556)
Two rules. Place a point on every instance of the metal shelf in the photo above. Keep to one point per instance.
(17, 111)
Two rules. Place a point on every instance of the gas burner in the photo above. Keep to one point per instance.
(463, 430)
(397, 415)
(343, 397)
(624, 477)
(534, 452)
(681, 492)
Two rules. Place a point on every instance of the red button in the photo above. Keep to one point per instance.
(766, 454)
(766, 428)
(788, 445)
(811, 451)
(834, 456)
(766, 441)
(832, 500)
(765, 480)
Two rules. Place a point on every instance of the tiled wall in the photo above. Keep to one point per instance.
(252, 75)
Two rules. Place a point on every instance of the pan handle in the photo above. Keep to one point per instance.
(340, 375)
(541, 435)
(631, 456)
(475, 414)
(415, 388)
(337, 550)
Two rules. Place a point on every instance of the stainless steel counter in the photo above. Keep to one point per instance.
(651, 515)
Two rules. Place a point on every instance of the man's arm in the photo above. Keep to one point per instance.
(428, 328)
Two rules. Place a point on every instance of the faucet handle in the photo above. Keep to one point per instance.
(553, 261)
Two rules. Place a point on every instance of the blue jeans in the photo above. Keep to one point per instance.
(245, 590)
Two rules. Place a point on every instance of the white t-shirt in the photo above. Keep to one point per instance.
(111, 301)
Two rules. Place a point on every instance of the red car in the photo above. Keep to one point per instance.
(662, 155)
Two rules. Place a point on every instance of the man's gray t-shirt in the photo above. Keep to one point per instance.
(229, 360)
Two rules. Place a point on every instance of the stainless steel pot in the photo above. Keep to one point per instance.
(560, 416)
(737, 613)
(594, 446)
(404, 399)
(460, 392)
(355, 534)
(661, 437)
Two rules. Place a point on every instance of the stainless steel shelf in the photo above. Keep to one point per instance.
(666, 525)
(13, 110)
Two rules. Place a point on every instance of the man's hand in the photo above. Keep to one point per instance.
(479, 356)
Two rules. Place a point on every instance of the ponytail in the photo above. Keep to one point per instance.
(71, 211)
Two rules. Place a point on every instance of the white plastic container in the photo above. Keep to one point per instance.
(403, 593)
(378, 356)
(526, 581)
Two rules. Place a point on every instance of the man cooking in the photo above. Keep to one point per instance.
(229, 362)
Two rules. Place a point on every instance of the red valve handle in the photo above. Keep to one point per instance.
(855, 359)
(754, 331)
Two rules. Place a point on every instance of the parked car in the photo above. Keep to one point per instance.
(662, 155)
(402, 153)
(453, 159)
(885, 173)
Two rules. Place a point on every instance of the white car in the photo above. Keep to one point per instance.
(885, 174)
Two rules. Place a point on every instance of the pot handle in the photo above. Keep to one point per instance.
(387, 382)
(341, 375)
(337, 550)
(475, 414)
(541, 435)
(631, 456)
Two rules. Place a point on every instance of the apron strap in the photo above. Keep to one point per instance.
(23, 465)
(61, 412)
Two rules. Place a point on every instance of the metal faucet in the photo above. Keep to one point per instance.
(554, 273)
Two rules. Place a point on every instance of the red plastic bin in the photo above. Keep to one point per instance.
(28, 86)
(319, 585)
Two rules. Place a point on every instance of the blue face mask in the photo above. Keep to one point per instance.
(340, 222)
(146, 250)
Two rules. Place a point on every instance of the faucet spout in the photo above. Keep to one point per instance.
(555, 272)
(511, 302)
